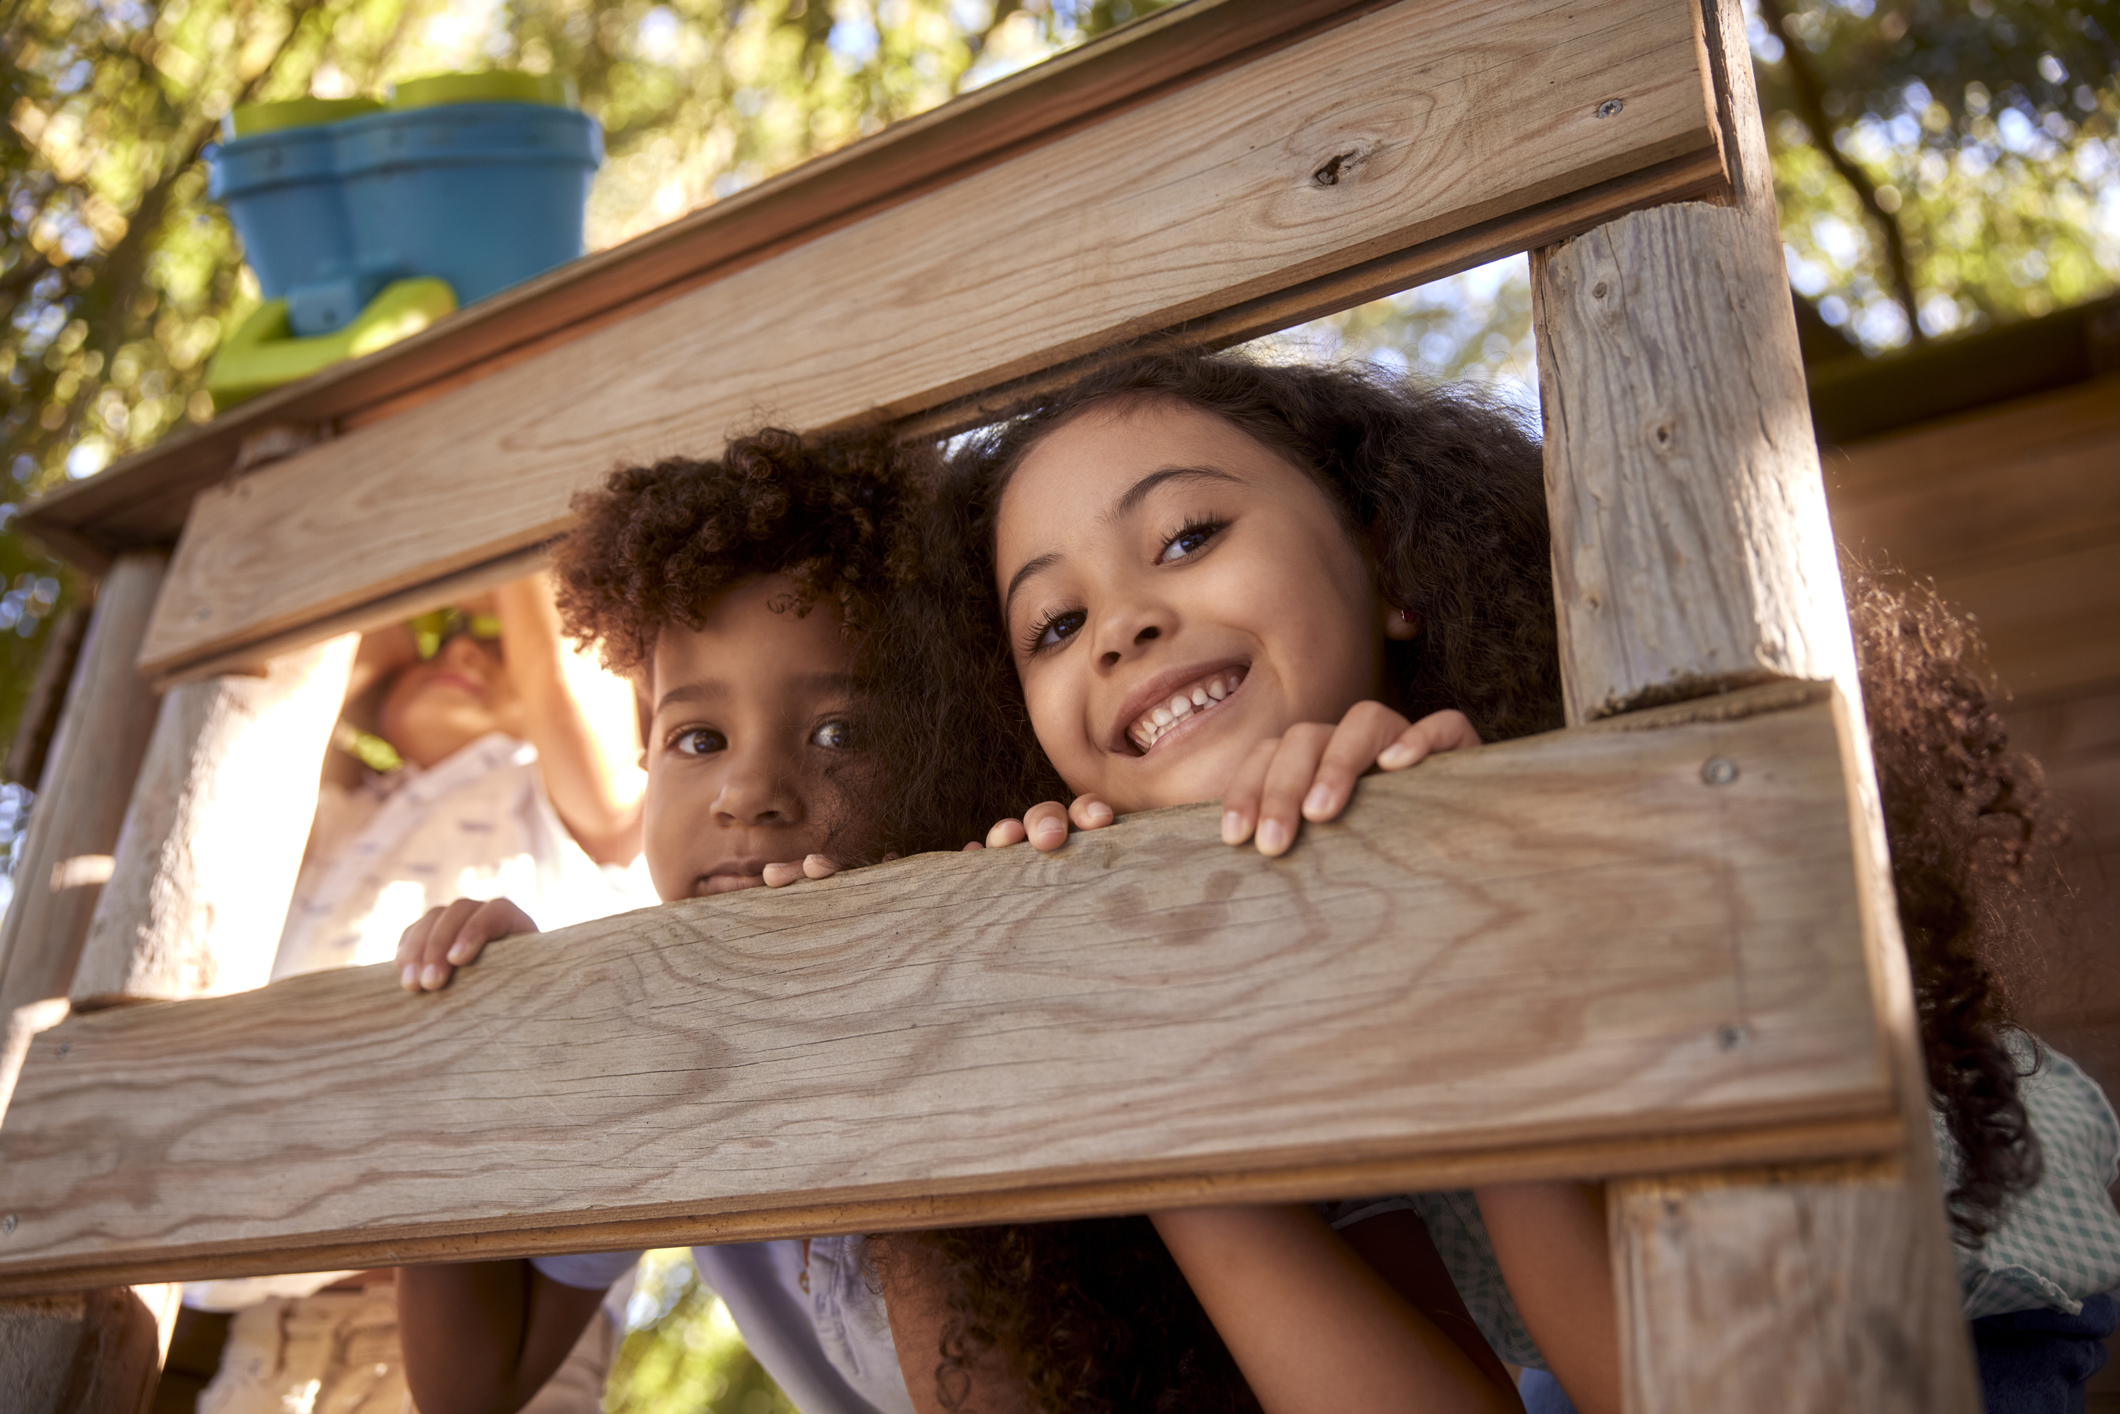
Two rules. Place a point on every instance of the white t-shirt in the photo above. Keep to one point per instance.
(829, 1347)
(477, 825)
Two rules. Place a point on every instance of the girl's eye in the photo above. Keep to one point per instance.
(1188, 541)
(835, 736)
(699, 742)
(1055, 629)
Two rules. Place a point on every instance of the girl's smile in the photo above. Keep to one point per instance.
(1178, 592)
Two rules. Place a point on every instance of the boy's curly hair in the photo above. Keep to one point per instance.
(1446, 492)
(659, 544)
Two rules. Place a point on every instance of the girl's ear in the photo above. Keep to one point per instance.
(1400, 624)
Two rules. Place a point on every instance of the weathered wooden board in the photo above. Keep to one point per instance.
(1403, 127)
(143, 499)
(1572, 944)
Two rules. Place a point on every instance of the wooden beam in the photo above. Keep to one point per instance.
(143, 499)
(83, 1352)
(213, 837)
(1693, 554)
(88, 776)
(1401, 128)
(1574, 953)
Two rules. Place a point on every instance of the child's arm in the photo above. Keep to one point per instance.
(588, 774)
(483, 1337)
(1313, 1326)
(1550, 1241)
(453, 936)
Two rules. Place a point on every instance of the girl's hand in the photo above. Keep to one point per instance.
(812, 866)
(1309, 771)
(453, 936)
(1045, 825)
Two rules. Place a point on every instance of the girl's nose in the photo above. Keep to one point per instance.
(759, 789)
(1123, 632)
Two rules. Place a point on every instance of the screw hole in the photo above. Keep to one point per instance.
(1719, 771)
(1611, 107)
(1731, 1037)
(7, 1224)
(64, 1047)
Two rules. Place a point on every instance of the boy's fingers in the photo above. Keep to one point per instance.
(817, 866)
(1089, 812)
(1353, 748)
(781, 875)
(1288, 778)
(1240, 802)
(1046, 824)
(1006, 833)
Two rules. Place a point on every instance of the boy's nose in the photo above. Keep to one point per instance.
(755, 793)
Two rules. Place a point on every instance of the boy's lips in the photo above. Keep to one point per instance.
(728, 878)
(1171, 701)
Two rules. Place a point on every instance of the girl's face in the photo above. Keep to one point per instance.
(436, 708)
(749, 729)
(1177, 592)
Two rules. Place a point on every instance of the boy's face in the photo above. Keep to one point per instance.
(749, 742)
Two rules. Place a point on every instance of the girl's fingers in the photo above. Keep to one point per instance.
(1006, 833)
(1366, 730)
(1046, 824)
(1434, 733)
(975, 844)
(1089, 812)
(778, 876)
(817, 866)
(423, 968)
(1240, 802)
(495, 918)
(1288, 777)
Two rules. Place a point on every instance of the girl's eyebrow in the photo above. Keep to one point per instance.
(1124, 506)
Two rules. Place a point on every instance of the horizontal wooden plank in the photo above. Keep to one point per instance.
(1570, 954)
(144, 498)
(1400, 128)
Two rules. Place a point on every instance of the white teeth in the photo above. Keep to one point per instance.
(1216, 690)
(1199, 697)
(1150, 726)
(1161, 717)
(1181, 706)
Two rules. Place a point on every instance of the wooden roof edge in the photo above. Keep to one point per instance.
(142, 499)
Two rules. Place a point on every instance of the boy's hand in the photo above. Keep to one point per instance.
(453, 936)
(1309, 771)
(812, 866)
(1045, 825)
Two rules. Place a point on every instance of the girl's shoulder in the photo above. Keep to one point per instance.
(2058, 1243)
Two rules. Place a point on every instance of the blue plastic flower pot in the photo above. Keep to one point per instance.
(282, 191)
(482, 195)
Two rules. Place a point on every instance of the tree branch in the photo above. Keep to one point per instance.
(1810, 107)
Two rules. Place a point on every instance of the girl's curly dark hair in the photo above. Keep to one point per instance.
(1446, 493)
(1972, 833)
(659, 544)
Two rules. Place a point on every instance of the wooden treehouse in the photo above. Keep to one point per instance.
(1657, 948)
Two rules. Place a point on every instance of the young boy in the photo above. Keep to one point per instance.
(742, 595)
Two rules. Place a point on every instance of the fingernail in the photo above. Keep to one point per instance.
(1319, 801)
(1273, 837)
(433, 976)
(1397, 756)
(1232, 827)
(1100, 814)
(411, 979)
(460, 953)
(1049, 830)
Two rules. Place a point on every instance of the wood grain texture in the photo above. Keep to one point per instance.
(1691, 542)
(1570, 944)
(1787, 1295)
(88, 776)
(1400, 127)
(143, 499)
(213, 838)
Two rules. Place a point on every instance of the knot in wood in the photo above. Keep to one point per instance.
(1339, 166)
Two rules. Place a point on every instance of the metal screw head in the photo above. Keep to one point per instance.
(1719, 771)
(1730, 1037)
(7, 1224)
(1610, 108)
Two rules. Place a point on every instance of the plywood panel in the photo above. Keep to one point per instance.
(1572, 945)
(1403, 127)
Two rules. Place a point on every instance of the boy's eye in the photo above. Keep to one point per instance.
(699, 742)
(1056, 629)
(834, 736)
(1188, 541)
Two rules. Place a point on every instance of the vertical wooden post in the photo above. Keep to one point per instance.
(1692, 554)
(95, 1352)
(88, 776)
(213, 839)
